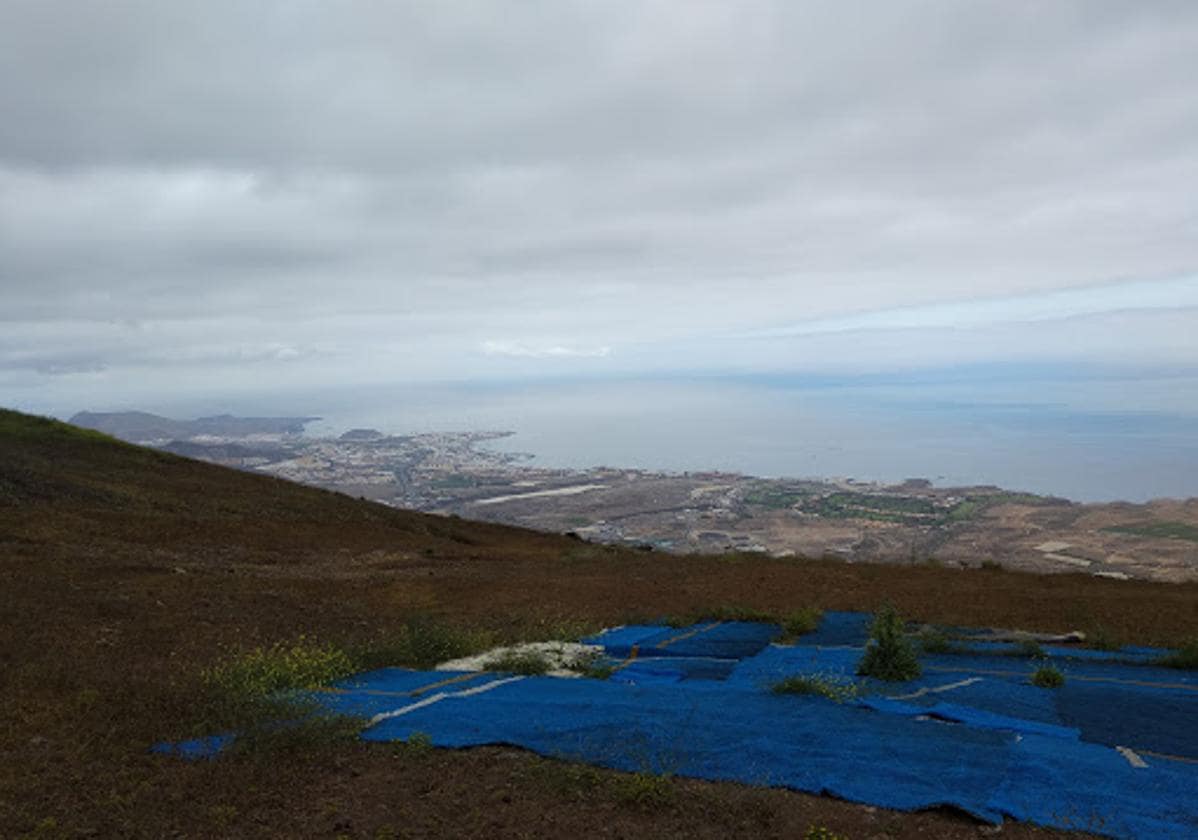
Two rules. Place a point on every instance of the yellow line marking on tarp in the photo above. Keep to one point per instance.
(689, 633)
(636, 649)
(632, 654)
(411, 692)
(1168, 757)
(450, 681)
(1116, 680)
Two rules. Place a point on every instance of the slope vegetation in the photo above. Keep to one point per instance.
(126, 572)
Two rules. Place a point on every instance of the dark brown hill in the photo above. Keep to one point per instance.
(126, 571)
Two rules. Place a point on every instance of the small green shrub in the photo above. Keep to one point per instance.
(559, 629)
(565, 778)
(421, 643)
(889, 655)
(935, 641)
(527, 663)
(832, 686)
(1048, 677)
(594, 665)
(1029, 649)
(600, 671)
(418, 743)
(1100, 638)
(1185, 657)
(992, 566)
(644, 789)
(800, 622)
(735, 612)
(726, 612)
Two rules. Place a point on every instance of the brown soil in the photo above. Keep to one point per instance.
(125, 572)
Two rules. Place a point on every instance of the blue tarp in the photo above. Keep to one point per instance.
(721, 639)
(971, 732)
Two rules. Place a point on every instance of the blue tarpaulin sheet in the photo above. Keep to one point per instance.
(1114, 751)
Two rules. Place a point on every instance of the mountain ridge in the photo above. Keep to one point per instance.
(145, 425)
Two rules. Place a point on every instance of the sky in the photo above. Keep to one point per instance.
(219, 197)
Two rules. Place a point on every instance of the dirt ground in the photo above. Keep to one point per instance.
(126, 572)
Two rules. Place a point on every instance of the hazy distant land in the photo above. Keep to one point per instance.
(458, 473)
(142, 427)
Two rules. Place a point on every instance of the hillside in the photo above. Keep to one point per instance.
(127, 571)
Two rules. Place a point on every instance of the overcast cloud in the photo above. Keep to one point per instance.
(197, 195)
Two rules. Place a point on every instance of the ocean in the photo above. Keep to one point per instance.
(1083, 438)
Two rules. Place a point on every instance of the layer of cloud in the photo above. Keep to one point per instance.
(1177, 293)
(526, 351)
(220, 194)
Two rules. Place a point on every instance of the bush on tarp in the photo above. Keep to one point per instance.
(888, 653)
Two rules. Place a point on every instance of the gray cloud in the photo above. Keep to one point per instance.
(324, 191)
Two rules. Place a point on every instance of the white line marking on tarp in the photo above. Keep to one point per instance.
(411, 707)
(1024, 674)
(438, 697)
(935, 689)
(1132, 758)
(479, 689)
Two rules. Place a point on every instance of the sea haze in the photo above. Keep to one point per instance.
(1085, 437)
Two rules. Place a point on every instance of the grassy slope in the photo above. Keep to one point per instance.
(125, 571)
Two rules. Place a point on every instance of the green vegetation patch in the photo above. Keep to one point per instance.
(558, 629)
(14, 424)
(795, 623)
(421, 643)
(879, 508)
(799, 622)
(1028, 649)
(644, 789)
(832, 686)
(932, 640)
(963, 511)
(890, 507)
(528, 663)
(596, 665)
(1160, 530)
(1185, 657)
(889, 654)
(775, 498)
(726, 612)
(1048, 677)
(266, 671)
(1016, 498)
(259, 694)
(1101, 638)
(416, 744)
(453, 481)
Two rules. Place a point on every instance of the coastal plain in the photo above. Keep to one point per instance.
(468, 474)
